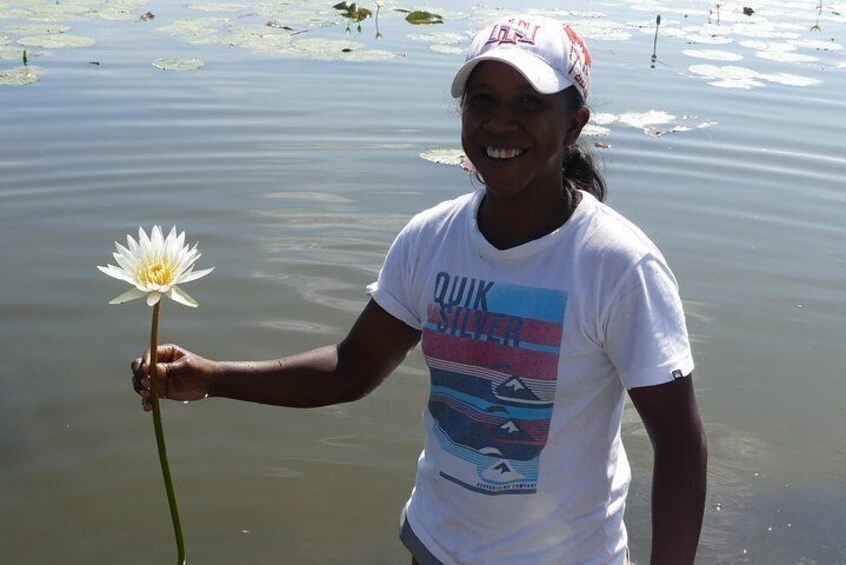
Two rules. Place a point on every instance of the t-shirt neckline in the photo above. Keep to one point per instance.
(529, 248)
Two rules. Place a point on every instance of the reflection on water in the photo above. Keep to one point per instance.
(297, 173)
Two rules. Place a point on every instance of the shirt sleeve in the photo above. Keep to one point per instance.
(645, 331)
(392, 290)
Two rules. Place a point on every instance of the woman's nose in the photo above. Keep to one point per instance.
(501, 119)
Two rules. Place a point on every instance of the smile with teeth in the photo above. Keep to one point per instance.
(500, 153)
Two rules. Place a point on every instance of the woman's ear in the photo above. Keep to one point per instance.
(578, 121)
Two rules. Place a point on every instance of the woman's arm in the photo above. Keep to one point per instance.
(671, 418)
(374, 347)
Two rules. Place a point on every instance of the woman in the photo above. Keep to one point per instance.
(538, 307)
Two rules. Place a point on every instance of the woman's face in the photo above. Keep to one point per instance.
(513, 135)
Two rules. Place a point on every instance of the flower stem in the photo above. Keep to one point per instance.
(160, 443)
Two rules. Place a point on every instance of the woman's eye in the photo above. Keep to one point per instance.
(479, 99)
(530, 102)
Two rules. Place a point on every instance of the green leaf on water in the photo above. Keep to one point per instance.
(179, 64)
(57, 41)
(10, 52)
(421, 17)
(19, 76)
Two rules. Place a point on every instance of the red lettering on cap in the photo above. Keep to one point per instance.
(522, 33)
(575, 40)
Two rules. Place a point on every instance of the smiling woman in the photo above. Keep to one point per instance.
(538, 307)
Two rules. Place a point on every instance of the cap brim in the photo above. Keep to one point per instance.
(540, 75)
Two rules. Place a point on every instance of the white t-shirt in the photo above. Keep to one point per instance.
(530, 350)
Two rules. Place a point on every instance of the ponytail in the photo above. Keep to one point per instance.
(579, 166)
(580, 172)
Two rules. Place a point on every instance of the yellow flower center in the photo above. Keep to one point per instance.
(157, 272)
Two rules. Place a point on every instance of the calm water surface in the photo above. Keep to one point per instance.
(295, 174)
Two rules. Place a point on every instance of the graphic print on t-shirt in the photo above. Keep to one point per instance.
(492, 350)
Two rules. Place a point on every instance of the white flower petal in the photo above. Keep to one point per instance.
(157, 239)
(193, 275)
(154, 265)
(131, 294)
(125, 264)
(178, 295)
(187, 260)
(127, 254)
(116, 273)
(133, 247)
(143, 240)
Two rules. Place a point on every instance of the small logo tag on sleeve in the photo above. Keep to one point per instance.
(677, 374)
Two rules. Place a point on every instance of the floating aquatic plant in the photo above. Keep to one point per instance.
(641, 119)
(57, 41)
(744, 78)
(786, 57)
(214, 6)
(179, 64)
(9, 52)
(713, 54)
(421, 17)
(593, 130)
(334, 49)
(18, 76)
(155, 266)
(455, 157)
(683, 124)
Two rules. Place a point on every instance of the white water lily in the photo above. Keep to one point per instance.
(155, 265)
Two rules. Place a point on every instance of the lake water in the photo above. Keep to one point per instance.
(294, 168)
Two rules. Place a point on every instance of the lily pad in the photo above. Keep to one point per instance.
(199, 31)
(447, 49)
(741, 77)
(422, 17)
(19, 76)
(723, 72)
(712, 55)
(817, 44)
(10, 53)
(444, 38)
(36, 29)
(455, 157)
(772, 46)
(683, 124)
(704, 39)
(338, 49)
(641, 119)
(606, 30)
(602, 118)
(786, 57)
(179, 64)
(57, 41)
(260, 39)
(593, 130)
(214, 7)
(790, 79)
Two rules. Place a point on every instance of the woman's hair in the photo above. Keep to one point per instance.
(579, 166)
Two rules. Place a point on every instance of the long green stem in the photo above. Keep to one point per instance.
(160, 443)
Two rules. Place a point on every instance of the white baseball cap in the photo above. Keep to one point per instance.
(548, 53)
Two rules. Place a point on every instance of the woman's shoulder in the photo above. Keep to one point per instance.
(442, 216)
(609, 234)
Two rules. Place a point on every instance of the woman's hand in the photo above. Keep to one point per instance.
(182, 375)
